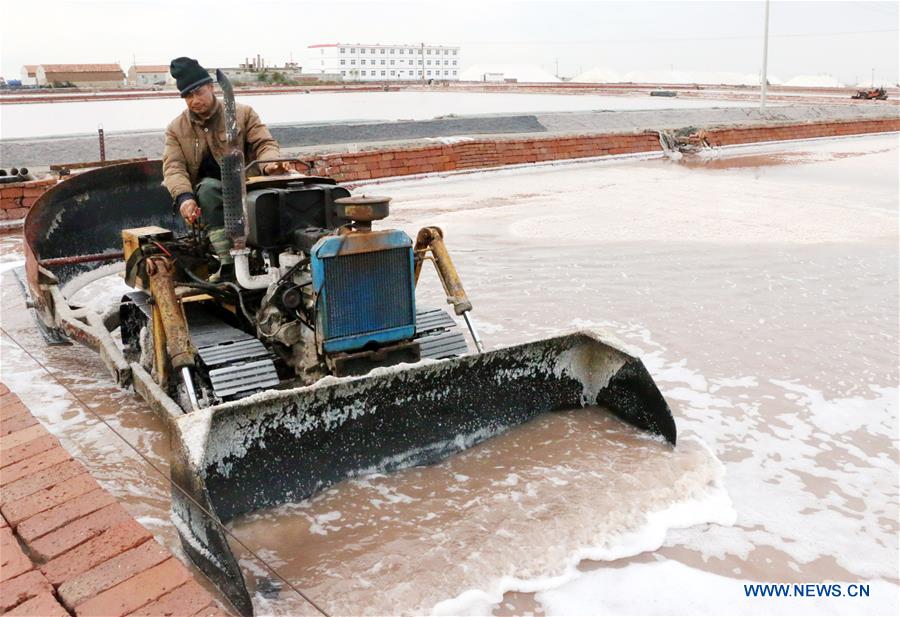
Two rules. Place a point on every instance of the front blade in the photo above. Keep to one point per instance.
(284, 446)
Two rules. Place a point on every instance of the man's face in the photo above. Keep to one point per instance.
(200, 100)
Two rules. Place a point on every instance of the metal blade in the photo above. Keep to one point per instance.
(284, 446)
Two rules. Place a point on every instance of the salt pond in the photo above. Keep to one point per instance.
(71, 118)
(760, 287)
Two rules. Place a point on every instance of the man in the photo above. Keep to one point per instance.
(195, 143)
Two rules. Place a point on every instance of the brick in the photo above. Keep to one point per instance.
(41, 480)
(43, 500)
(8, 398)
(33, 464)
(4, 390)
(30, 191)
(17, 423)
(188, 599)
(40, 183)
(27, 450)
(110, 573)
(54, 518)
(22, 588)
(69, 536)
(136, 592)
(3, 523)
(19, 213)
(13, 561)
(15, 414)
(11, 192)
(43, 605)
(15, 439)
(105, 546)
(12, 406)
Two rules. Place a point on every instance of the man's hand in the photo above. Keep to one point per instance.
(190, 211)
(285, 167)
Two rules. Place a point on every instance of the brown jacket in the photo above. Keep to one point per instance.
(188, 139)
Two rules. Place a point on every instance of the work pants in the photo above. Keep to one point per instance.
(209, 198)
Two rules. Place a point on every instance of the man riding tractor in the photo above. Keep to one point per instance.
(195, 143)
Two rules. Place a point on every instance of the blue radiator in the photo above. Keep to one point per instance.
(365, 290)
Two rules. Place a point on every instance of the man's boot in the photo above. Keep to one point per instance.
(221, 245)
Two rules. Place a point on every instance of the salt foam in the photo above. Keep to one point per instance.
(714, 507)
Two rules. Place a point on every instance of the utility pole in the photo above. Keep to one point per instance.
(423, 63)
(557, 68)
(764, 82)
(873, 77)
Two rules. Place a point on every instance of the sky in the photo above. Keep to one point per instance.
(847, 40)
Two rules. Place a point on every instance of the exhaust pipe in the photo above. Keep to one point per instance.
(233, 185)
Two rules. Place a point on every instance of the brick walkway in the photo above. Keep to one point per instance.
(67, 547)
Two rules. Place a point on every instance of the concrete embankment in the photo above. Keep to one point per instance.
(490, 153)
(67, 547)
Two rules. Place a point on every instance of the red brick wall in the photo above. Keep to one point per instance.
(499, 152)
(17, 198)
(477, 154)
(728, 137)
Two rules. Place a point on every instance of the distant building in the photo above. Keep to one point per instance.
(150, 75)
(81, 75)
(253, 64)
(29, 75)
(377, 62)
(242, 75)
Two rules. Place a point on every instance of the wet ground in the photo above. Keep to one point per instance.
(761, 290)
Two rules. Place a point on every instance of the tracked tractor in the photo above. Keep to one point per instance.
(316, 362)
(871, 94)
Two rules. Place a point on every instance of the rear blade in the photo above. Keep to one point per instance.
(284, 446)
(85, 215)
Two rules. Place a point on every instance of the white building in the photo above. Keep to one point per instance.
(29, 75)
(356, 62)
(150, 75)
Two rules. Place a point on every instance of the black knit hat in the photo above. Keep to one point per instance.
(188, 74)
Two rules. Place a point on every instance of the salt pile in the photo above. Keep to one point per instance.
(519, 72)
